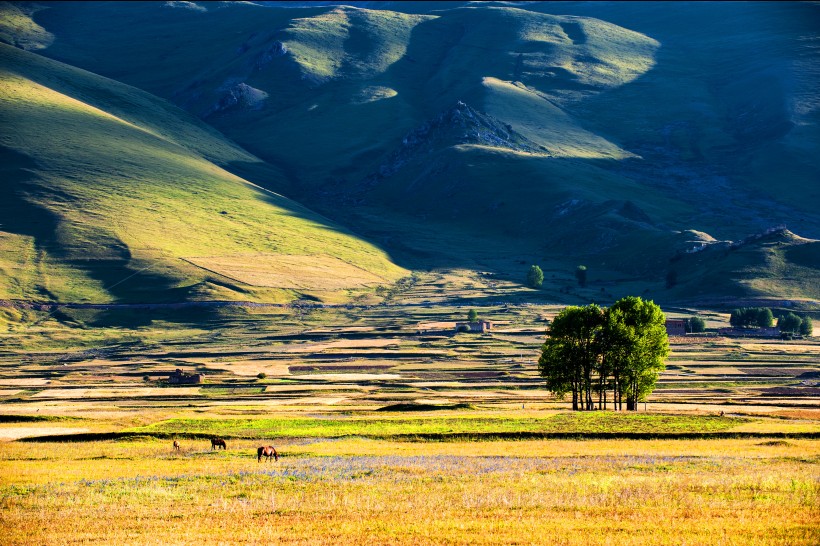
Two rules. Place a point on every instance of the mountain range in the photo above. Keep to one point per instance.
(176, 151)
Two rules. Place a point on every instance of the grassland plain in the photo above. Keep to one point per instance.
(364, 492)
(471, 451)
(581, 424)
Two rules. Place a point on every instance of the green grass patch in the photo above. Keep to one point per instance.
(565, 423)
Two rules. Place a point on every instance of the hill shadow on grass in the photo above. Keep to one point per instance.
(99, 256)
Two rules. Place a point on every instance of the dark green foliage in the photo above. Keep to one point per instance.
(581, 275)
(765, 319)
(806, 327)
(261, 375)
(790, 323)
(535, 277)
(569, 354)
(671, 279)
(751, 317)
(592, 350)
(472, 315)
(695, 325)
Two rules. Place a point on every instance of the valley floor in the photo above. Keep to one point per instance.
(393, 429)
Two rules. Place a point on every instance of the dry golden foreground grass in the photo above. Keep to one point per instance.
(380, 492)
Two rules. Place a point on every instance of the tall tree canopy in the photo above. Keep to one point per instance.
(590, 351)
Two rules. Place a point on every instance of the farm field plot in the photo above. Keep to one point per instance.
(369, 357)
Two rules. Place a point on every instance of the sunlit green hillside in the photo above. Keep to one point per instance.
(769, 268)
(111, 194)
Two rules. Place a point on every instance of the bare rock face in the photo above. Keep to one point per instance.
(237, 96)
(277, 49)
(458, 125)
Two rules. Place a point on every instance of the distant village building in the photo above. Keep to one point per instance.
(676, 327)
(448, 328)
(480, 326)
(750, 332)
(181, 378)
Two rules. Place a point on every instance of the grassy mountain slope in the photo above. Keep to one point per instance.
(770, 268)
(113, 194)
(731, 105)
(380, 73)
(599, 136)
(18, 29)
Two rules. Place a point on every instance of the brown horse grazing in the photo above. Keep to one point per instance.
(217, 443)
(267, 452)
(176, 446)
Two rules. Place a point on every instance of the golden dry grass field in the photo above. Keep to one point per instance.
(360, 491)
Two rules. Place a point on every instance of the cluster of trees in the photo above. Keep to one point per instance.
(762, 317)
(795, 324)
(752, 317)
(591, 351)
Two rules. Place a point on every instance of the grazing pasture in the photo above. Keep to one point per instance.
(364, 491)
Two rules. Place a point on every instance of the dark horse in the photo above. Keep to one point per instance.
(267, 452)
(217, 443)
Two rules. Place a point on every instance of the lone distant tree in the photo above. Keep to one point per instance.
(535, 277)
(472, 315)
(581, 275)
(671, 279)
(695, 325)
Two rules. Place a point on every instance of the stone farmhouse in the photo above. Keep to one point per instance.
(182, 378)
(479, 327)
(675, 327)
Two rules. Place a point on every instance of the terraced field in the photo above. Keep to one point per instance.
(363, 358)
